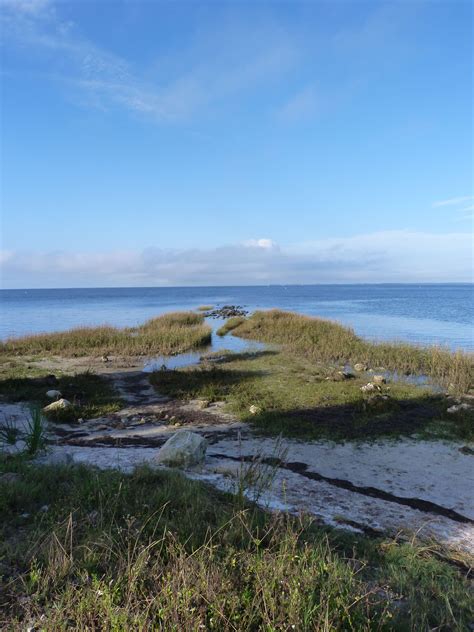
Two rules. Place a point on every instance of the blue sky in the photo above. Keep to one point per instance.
(188, 143)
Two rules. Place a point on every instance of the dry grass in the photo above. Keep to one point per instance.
(326, 341)
(204, 308)
(229, 325)
(171, 333)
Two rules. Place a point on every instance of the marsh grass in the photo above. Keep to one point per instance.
(230, 324)
(326, 341)
(170, 333)
(204, 308)
(157, 551)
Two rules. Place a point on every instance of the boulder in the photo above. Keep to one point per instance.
(53, 394)
(183, 449)
(59, 405)
(369, 388)
(360, 366)
(254, 410)
(379, 379)
(457, 408)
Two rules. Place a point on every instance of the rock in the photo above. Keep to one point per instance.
(202, 403)
(458, 408)
(360, 366)
(183, 449)
(379, 379)
(227, 311)
(44, 508)
(340, 376)
(369, 388)
(105, 358)
(59, 405)
(464, 450)
(376, 400)
(254, 410)
(9, 477)
(53, 394)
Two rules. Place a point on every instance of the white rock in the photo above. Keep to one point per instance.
(60, 404)
(369, 388)
(360, 367)
(53, 394)
(457, 408)
(379, 379)
(183, 449)
(253, 410)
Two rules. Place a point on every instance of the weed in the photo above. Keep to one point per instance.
(9, 431)
(34, 436)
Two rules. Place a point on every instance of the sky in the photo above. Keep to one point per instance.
(226, 143)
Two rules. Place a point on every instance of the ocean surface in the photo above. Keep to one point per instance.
(425, 314)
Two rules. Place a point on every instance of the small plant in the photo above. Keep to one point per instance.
(257, 475)
(34, 435)
(9, 433)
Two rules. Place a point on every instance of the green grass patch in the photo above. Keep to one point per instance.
(91, 395)
(88, 550)
(326, 341)
(230, 324)
(293, 396)
(170, 333)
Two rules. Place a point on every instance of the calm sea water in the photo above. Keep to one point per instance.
(425, 314)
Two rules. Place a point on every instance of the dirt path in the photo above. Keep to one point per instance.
(393, 486)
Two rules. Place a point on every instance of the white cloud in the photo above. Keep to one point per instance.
(391, 256)
(265, 243)
(453, 201)
(212, 66)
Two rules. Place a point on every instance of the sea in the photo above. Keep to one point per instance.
(424, 314)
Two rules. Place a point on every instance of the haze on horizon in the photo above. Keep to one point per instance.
(234, 143)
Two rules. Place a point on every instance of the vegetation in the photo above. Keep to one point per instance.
(83, 549)
(296, 397)
(326, 341)
(90, 395)
(204, 308)
(34, 436)
(171, 333)
(230, 324)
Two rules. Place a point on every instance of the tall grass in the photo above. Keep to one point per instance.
(230, 324)
(326, 341)
(171, 333)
